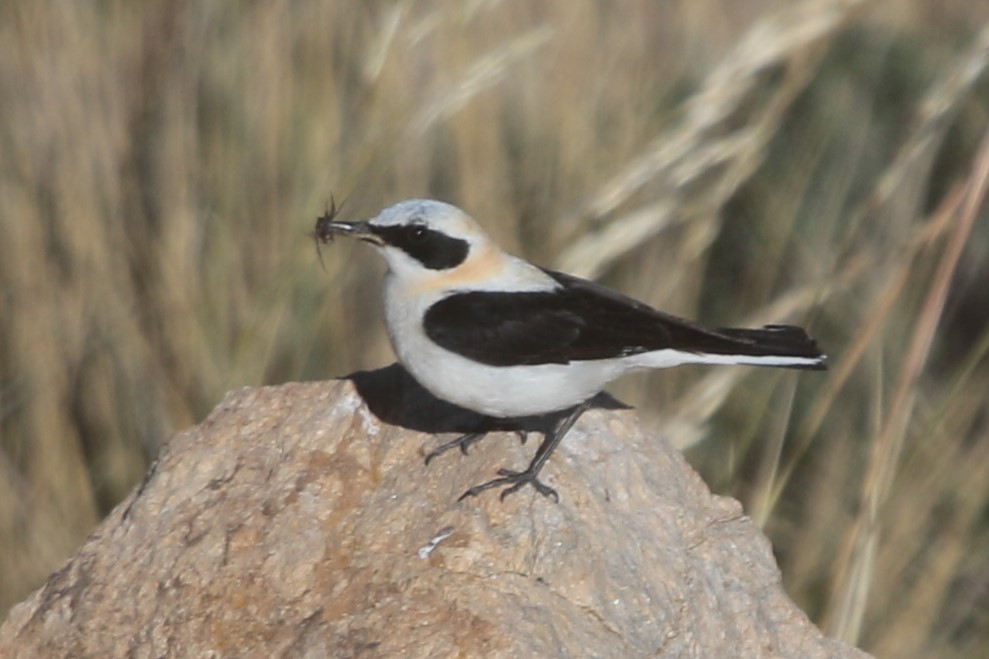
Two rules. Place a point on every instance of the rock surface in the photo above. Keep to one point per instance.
(299, 520)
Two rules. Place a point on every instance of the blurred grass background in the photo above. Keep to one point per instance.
(737, 161)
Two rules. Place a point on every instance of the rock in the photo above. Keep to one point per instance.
(300, 520)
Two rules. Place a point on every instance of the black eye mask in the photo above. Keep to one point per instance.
(435, 250)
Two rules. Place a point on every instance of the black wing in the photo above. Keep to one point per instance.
(582, 320)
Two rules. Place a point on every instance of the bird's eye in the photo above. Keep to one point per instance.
(416, 233)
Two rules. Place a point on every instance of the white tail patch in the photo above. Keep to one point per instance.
(669, 357)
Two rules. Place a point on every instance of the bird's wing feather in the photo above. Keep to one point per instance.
(620, 318)
(578, 320)
(619, 325)
(504, 329)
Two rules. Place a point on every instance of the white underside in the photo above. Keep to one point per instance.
(508, 391)
(511, 391)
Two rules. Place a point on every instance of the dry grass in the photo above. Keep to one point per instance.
(735, 161)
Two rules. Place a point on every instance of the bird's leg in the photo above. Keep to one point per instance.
(515, 480)
(464, 442)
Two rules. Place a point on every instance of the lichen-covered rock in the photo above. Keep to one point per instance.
(299, 520)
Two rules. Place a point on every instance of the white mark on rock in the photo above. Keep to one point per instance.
(368, 421)
(428, 548)
(347, 405)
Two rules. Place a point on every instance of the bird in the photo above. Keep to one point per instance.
(493, 333)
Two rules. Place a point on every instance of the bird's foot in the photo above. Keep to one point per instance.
(463, 442)
(514, 480)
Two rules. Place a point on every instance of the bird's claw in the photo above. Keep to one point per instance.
(514, 480)
(463, 443)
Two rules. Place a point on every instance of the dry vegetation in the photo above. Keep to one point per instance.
(734, 161)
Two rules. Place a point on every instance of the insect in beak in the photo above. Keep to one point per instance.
(323, 233)
(327, 226)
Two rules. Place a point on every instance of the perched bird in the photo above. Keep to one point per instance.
(495, 334)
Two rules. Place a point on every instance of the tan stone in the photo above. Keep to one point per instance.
(294, 521)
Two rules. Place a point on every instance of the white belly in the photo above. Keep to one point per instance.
(500, 391)
(506, 391)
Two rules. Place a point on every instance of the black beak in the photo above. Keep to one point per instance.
(326, 230)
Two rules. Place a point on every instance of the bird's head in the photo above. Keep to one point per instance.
(422, 241)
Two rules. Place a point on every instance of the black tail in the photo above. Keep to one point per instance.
(777, 341)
